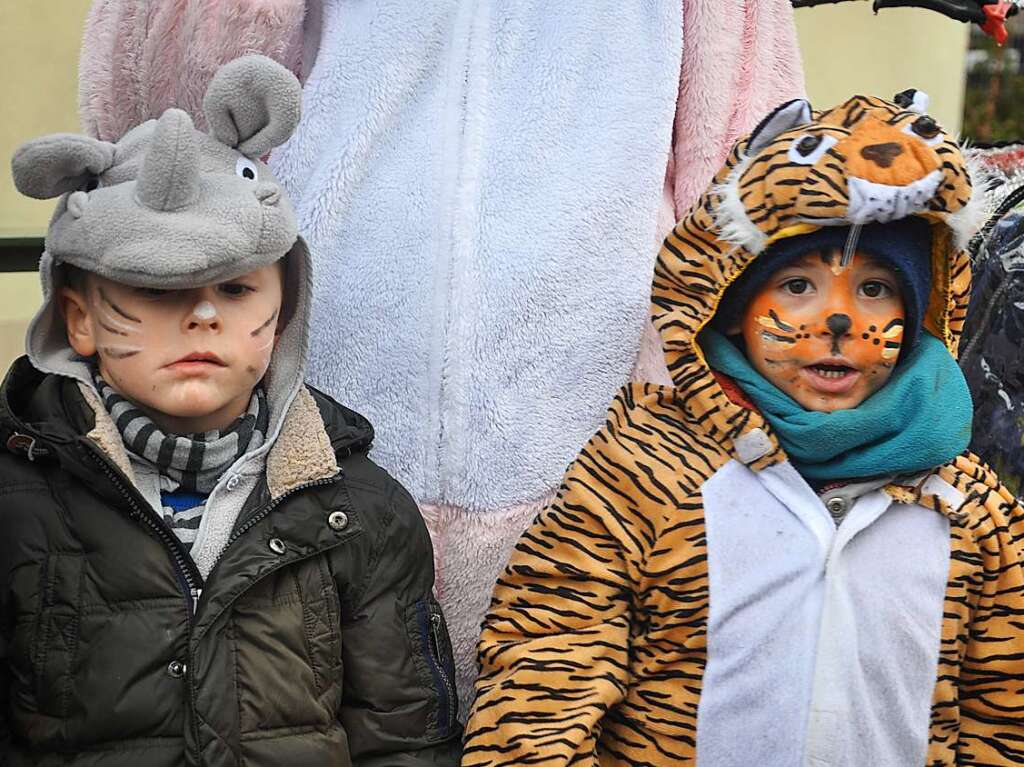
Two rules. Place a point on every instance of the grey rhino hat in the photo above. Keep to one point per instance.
(169, 206)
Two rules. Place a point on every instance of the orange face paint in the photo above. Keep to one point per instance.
(826, 335)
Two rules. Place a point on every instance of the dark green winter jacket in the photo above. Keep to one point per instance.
(314, 641)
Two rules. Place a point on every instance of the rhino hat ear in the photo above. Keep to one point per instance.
(252, 104)
(51, 165)
(786, 117)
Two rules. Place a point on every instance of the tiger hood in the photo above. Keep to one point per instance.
(864, 161)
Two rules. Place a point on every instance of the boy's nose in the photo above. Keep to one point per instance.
(838, 324)
(203, 314)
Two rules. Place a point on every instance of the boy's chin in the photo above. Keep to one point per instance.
(194, 409)
(824, 402)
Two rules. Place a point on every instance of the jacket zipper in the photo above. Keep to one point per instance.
(185, 570)
(184, 567)
(435, 630)
(260, 515)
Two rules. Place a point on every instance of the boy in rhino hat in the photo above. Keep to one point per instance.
(198, 562)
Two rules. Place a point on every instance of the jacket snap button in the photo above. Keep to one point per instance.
(836, 506)
(276, 545)
(338, 520)
(176, 669)
(232, 482)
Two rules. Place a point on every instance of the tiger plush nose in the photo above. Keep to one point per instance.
(882, 155)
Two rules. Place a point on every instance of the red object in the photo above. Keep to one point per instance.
(995, 22)
(732, 390)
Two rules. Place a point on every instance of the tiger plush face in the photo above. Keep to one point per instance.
(866, 160)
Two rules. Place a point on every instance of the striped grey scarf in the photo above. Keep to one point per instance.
(189, 465)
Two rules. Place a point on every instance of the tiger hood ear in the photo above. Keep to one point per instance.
(783, 118)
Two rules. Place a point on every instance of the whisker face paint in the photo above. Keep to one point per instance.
(826, 334)
(111, 329)
(120, 352)
(193, 355)
(121, 312)
(265, 325)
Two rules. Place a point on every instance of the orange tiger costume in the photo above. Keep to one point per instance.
(594, 649)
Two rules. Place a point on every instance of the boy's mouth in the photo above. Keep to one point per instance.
(198, 359)
(831, 376)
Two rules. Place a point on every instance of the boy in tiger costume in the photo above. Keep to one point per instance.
(784, 558)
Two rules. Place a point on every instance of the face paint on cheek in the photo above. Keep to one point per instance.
(120, 352)
(775, 330)
(259, 330)
(834, 261)
(893, 335)
(265, 325)
(117, 309)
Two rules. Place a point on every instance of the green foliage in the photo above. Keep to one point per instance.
(994, 98)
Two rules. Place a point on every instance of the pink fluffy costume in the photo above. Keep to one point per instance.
(484, 187)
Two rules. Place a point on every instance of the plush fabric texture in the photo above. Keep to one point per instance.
(819, 623)
(494, 227)
(905, 246)
(920, 418)
(197, 210)
(549, 145)
(610, 596)
(138, 58)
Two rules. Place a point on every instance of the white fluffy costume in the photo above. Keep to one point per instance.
(483, 187)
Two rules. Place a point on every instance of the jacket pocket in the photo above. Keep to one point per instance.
(435, 649)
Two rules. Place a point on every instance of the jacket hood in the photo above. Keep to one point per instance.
(171, 207)
(866, 160)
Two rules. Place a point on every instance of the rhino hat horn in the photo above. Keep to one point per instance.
(169, 179)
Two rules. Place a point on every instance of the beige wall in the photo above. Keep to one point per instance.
(39, 41)
(847, 49)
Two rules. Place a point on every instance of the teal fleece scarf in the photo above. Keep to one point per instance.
(920, 419)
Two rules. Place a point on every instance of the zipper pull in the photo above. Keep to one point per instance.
(194, 600)
(435, 629)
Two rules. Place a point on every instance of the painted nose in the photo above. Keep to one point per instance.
(882, 155)
(838, 324)
(204, 314)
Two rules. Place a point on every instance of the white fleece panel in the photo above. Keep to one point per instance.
(477, 181)
(822, 642)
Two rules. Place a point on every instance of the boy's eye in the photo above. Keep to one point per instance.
(797, 286)
(234, 288)
(876, 289)
(152, 292)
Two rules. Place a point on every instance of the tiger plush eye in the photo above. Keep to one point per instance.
(808, 144)
(925, 127)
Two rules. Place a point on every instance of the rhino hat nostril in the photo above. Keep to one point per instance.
(268, 194)
(882, 155)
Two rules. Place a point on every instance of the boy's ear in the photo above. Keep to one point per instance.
(77, 322)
